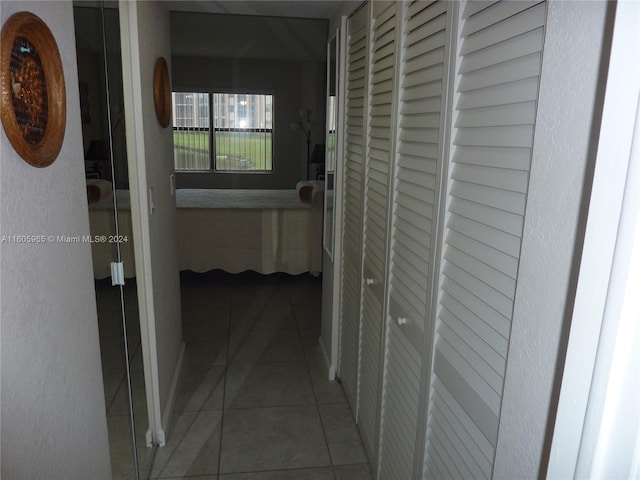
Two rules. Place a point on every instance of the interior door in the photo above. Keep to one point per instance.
(352, 210)
(376, 217)
(498, 70)
(416, 199)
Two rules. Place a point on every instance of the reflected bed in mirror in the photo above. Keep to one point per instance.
(234, 230)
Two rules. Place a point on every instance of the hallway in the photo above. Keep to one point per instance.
(253, 401)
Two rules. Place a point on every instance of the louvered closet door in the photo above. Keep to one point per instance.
(494, 112)
(376, 214)
(418, 165)
(353, 204)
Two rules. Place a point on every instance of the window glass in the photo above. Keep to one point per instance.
(191, 145)
(242, 136)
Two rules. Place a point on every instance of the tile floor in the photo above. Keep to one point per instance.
(114, 378)
(253, 402)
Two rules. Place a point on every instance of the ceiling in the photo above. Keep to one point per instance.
(257, 29)
(260, 29)
(324, 9)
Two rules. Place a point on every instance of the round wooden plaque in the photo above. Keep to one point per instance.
(32, 89)
(162, 92)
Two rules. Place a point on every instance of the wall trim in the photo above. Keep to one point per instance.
(139, 207)
(166, 416)
(325, 356)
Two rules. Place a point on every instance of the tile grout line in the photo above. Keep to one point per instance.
(313, 389)
(234, 309)
(224, 385)
(196, 414)
(226, 370)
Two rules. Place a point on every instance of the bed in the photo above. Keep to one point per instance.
(266, 231)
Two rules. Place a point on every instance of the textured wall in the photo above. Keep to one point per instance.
(328, 298)
(153, 28)
(53, 411)
(561, 155)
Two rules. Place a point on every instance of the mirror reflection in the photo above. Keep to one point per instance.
(99, 60)
(331, 142)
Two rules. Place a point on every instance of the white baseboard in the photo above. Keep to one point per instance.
(166, 416)
(149, 438)
(327, 362)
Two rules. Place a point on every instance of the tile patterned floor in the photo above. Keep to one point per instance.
(253, 402)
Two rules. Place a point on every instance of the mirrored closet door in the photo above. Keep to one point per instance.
(102, 111)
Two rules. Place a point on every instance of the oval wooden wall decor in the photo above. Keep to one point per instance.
(32, 89)
(162, 92)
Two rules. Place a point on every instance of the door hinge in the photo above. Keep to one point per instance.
(117, 273)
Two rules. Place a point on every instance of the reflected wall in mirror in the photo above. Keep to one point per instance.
(333, 76)
(101, 95)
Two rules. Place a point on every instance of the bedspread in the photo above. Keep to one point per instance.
(265, 231)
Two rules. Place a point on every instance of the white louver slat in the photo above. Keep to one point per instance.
(352, 210)
(376, 211)
(477, 5)
(416, 162)
(402, 390)
(497, 85)
(416, 190)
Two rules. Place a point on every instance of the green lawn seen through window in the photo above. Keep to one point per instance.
(235, 151)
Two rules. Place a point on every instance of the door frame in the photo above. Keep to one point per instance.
(131, 74)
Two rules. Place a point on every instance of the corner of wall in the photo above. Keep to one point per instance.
(560, 161)
(53, 410)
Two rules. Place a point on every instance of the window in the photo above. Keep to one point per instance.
(241, 140)
(191, 138)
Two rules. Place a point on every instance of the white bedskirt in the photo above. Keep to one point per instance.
(266, 232)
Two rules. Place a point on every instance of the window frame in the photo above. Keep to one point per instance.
(212, 129)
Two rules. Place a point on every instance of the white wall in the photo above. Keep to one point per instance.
(598, 421)
(331, 285)
(53, 410)
(145, 33)
(563, 154)
(248, 36)
(327, 326)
